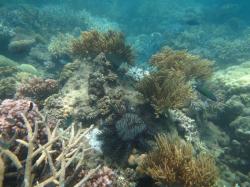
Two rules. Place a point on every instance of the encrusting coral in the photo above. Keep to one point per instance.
(7, 87)
(38, 89)
(172, 162)
(112, 43)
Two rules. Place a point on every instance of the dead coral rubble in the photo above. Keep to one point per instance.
(172, 162)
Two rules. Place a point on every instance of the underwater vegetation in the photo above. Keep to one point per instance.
(92, 43)
(168, 86)
(172, 162)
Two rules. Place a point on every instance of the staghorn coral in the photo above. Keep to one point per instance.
(172, 163)
(7, 87)
(112, 43)
(165, 90)
(38, 88)
(193, 67)
(40, 168)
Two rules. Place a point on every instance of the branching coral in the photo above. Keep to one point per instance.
(172, 162)
(112, 43)
(168, 85)
(165, 90)
(193, 67)
(58, 161)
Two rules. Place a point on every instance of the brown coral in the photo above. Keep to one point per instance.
(38, 89)
(112, 43)
(165, 90)
(168, 85)
(192, 66)
(172, 162)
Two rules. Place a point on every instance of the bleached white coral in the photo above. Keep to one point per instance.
(6, 32)
(137, 73)
(189, 125)
(93, 140)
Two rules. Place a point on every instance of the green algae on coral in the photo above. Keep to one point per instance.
(4, 61)
(7, 88)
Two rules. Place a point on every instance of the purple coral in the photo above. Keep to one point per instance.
(11, 121)
(104, 177)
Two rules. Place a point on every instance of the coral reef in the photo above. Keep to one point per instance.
(172, 163)
(11, 122)
(234, 79)
(7, 87)
(65, 164)
(7, 71)
(28, 68)
(192, 67)
(165, 90)
(168, 86)
(133, 138)
(60, 46)
(4, 61)
(68, 71)
(91, 43)
(104, 176)
(130, 126)
(21, 46)
(38, 89)
(6, 33)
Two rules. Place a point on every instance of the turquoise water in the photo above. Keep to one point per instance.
(104, 80)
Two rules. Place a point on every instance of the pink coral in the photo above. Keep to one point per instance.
(11, 121)
(104, 177)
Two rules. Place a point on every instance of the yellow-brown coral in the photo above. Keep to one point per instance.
(165, 90)
(91, 43)
(172, 162)
(168, 86)
(192, 66)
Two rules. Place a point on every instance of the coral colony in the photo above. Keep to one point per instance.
(88, 100)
